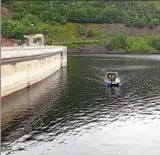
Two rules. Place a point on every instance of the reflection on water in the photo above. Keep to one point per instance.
(72, 112)
(21, 108)
(112, 91)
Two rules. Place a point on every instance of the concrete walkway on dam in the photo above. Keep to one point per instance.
(25, 66)
(19, 51)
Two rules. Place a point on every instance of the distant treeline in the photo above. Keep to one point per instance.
(27, 13)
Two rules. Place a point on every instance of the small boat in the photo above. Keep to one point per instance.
(112, 79)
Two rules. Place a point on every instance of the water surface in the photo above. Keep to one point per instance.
(72, 113)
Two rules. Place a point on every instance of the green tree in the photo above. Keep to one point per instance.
(118, 42)
(18, 31)
(80, 29)
(155, 43)
(139, 44)
(153, 23)
(91, 33)
(48, 16)
(7, 27)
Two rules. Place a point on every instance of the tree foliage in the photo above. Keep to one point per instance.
(131, 13)
(155, 42)
(80, 29)
(135, 44)
(118, 42)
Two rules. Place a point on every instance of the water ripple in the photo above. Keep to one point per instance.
(72, 113)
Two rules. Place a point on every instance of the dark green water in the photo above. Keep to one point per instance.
(72, 113)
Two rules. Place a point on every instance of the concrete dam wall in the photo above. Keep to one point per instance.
(23, 67)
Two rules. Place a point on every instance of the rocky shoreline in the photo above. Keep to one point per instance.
(100, 49)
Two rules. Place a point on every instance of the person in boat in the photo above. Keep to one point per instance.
(112, 78)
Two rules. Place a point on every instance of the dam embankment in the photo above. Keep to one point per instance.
(22, 67)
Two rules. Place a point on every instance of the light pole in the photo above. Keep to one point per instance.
(32, 25)
(22, 37)
(45, 33)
